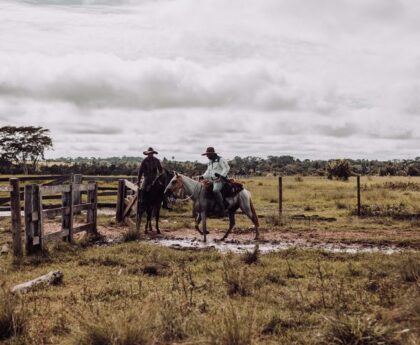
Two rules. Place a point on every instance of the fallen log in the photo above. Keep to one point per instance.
(51, 278)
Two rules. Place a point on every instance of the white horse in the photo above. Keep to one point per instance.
(183, 186)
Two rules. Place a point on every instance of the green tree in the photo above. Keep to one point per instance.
(24, 145)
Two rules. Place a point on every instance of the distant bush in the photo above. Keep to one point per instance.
(413, 170)
(338, 169)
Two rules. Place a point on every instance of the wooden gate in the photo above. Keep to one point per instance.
(126, 201)
(34, 213)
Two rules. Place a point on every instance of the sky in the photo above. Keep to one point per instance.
(314, 79)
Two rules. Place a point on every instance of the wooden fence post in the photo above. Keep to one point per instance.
(359, 200)
(67, 218)
(33, 219)
(120, 200)
(77, 180)
(92, 197)
(16, 220)
(280, 196)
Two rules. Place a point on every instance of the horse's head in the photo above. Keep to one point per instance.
(175, 186)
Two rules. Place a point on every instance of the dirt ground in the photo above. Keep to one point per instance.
(359, 238)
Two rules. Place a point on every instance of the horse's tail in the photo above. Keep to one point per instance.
(254, 214)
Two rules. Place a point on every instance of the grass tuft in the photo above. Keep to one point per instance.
(359, 331)
(410, 270)
(253, 257)
(235, 328)
(131, 235)
(13, 316)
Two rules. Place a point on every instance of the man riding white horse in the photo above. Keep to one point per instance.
(217, 170)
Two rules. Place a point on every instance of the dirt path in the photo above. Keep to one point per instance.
(241, 240)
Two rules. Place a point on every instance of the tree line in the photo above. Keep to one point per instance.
(22, 151)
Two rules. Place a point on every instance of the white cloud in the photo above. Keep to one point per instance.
(319, 78)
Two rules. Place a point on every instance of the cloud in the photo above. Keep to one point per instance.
(322, 78)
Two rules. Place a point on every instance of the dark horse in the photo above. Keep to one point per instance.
(151, 201)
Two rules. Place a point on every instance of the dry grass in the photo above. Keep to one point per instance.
(110, 296)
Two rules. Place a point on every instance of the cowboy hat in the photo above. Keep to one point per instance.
(149, 151)
(209, 150)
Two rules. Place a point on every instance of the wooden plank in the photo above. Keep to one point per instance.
(108, 188)
(6, 188)
(105, 178)
(58, 235)
(40, 222)
(106, 205)
(67, 217)
(131, 185)
(129, 207)
(55, 212)
(86, 227)
(82, 207)
(108, 194)
(16, 219)
(76, 180)
(48, 190)
(120, 201)
(63, 179)
(92, 214)
(85, 187)
(29, 233)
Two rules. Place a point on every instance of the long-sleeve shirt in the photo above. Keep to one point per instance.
(150, 168)
(218, 165)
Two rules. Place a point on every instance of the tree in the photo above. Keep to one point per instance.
(21, 145)
(339, 169)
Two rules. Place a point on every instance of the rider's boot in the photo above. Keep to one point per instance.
(219, 200)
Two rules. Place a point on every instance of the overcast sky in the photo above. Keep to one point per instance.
(313, 79)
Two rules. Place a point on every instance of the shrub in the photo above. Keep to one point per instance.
(339, 169)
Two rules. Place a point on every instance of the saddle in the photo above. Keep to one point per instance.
(230, 189)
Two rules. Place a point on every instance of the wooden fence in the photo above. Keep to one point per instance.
(35, 213)
(103, 191)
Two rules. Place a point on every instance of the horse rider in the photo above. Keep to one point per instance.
(217, 170)
(150, 169)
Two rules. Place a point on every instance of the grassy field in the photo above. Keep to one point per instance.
(135, 293)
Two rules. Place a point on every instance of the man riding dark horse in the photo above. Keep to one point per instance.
(217, 170)
(150, 169)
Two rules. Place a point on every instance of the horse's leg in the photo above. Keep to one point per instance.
(140, 211)
(146, 227)
(149, 220)
(157, 215)
(231, 223)
(204, 225)
(246, 205)
(197, 223)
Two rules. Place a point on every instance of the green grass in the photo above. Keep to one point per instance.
(109, 296)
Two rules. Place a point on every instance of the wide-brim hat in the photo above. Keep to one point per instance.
(209, 150)
(149, 151)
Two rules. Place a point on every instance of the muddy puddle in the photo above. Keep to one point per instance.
(237, 247)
